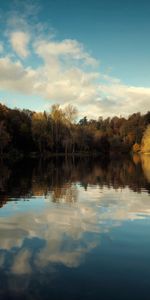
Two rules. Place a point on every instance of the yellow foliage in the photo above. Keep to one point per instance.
(37, 116)
(136, 147)
(145, 159)
(145, 146)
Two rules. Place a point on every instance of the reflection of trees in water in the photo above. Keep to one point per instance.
(145, 159)
(68, 193)
(15, 181)
(58, 177)
(5, 173)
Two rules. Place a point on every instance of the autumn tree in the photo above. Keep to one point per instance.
(57, 131)
(145, 145)
(41, 132)
(70, 113)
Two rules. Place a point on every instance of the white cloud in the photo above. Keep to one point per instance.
(14, 77)
(65, 49)
(19, 41)
(124, 99)
(73, 85)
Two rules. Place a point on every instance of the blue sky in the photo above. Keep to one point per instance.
(93, 54)
(116, 33)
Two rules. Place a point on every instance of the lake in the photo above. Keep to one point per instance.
(75, 228)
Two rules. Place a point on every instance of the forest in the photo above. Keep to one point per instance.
(41, 134)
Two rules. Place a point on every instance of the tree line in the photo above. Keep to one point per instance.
(25, 132)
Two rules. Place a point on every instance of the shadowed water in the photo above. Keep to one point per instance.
(75, 229)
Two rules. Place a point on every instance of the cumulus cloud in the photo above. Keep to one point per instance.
(14, 77)
(65, 49)
(124, 99)
(19, 41)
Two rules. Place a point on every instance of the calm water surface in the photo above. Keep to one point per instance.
(75, 229)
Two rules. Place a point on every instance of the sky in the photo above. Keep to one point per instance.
(93, 54)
